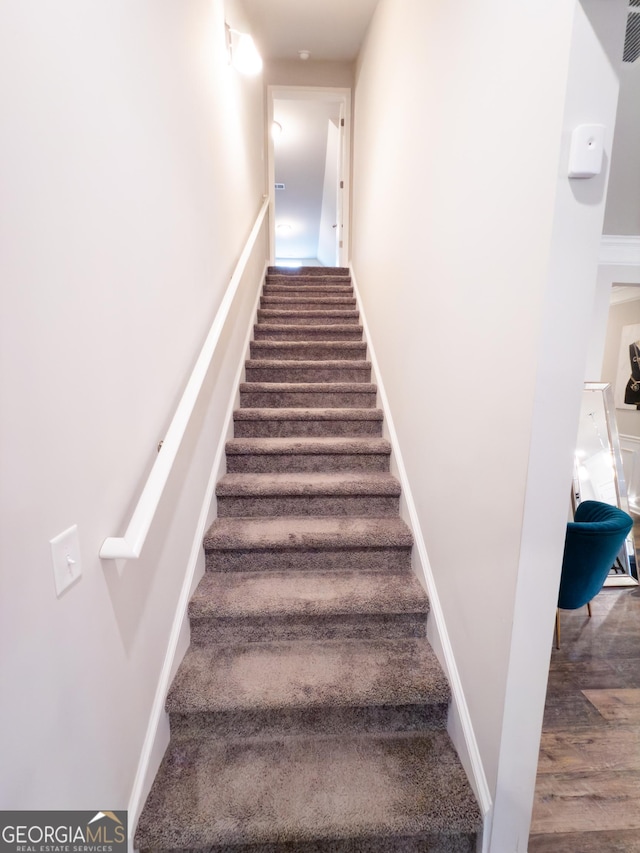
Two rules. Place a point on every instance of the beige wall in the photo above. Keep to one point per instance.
(623, 200)
(132, 171)
(476, 258)
(292, 72)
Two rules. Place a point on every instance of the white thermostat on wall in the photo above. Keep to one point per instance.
(587, 149)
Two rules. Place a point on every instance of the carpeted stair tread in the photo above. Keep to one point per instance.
(303, 281)
(240, 595)
(307, 422)
(295, 790)
(247, 607)
(308, 446)
(307, 673)
(300, 453)
(319, 493)
(430, 842)
(292, 303)
(324, 299)
(304, 273)
(311, 414)
(308, 272)
(308, 316)
(307, 394)
(309, 386)
(280, 331)
(309, 483)
(315, 269)
(290, 533)
(298, 371)
(307, 278)
(308, 350)
(292, 289)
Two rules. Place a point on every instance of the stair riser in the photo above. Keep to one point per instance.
(305, 505)
(329, 373)
(261, 463)
(337, 303)
(308, 399)
(454, 842)
(309, 333)
(311, 280)
(389, 626)
(308, 274)
(313, 274)
(306, 429)
(307, 291)
(305, 351)
(391, 559)
(313, 721)
(309, 318)
(274, 269)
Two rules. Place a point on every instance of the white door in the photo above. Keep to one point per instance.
(308, 168)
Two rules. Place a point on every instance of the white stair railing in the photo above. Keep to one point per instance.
(130, 545)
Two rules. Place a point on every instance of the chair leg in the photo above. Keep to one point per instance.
(557, 627)
(589, 608)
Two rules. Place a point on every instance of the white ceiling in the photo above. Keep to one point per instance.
(330, 29)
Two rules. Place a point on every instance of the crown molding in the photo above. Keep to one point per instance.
(624, 293)
(619, 250)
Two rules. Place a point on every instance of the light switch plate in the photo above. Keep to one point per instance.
(65, 552)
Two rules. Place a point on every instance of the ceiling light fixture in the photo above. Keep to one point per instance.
(283, 229)
(243, 53)
(304, 53)
(276, 130)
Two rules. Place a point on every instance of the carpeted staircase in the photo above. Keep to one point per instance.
(309, 713)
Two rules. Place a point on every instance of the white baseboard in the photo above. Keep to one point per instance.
(462, 734)
(156, 737)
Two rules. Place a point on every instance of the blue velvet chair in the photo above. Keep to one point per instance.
(594, 539)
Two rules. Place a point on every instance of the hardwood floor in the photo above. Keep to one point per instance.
(588, 786)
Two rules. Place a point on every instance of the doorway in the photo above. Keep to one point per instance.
(309, 175)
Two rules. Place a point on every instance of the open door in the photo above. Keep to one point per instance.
(309, 175)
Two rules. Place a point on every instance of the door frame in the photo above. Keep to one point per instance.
(331, 94)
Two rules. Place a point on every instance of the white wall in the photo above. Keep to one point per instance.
(131, 172)
(623, 198)
(476, 261)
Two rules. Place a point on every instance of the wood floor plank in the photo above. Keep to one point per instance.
(629, 671)
(569, 707)
(616, 706)
(592, 674)
(590, 749)
(613, 841)
(588, 786)
(582, 802)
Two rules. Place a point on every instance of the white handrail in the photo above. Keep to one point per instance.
(130, 546)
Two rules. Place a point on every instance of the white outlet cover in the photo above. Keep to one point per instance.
(65, 553)
(587, 151)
